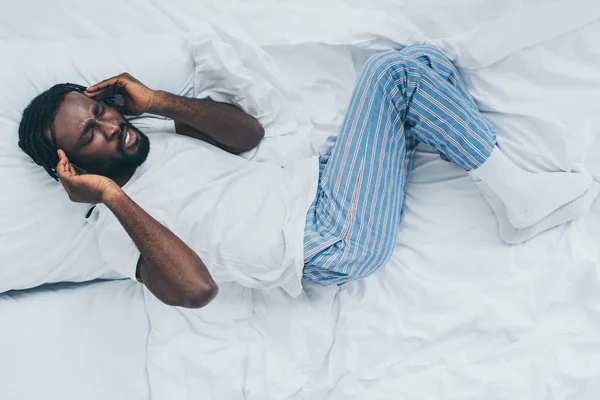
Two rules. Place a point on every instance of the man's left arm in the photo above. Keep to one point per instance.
(220, 124)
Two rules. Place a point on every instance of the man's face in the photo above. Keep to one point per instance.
(97, 138)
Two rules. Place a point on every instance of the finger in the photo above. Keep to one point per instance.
(64, 169)
(62, 157)
(73, 170)
(102, 93)
(110, 82)
(106, 95)
(94, 95)
(61, 167)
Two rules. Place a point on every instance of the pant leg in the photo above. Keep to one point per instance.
(443, 114)
(400, 98)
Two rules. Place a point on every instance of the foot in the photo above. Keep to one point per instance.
(512, 235)
(544, 193)
(527, 196)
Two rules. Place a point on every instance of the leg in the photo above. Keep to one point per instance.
(527, 203)
(401, 97)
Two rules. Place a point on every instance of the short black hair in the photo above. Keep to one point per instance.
(38, 118)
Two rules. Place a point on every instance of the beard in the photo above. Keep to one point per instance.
(132, 161)
(127, 162)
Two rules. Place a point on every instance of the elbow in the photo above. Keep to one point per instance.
(253, 138)
(201, 296)
(259, 134)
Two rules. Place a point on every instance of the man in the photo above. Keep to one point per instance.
(330, 219)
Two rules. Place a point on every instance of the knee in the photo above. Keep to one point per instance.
(386, 62)
(407, 59)
(404, 56)
(385, 58)
(417, 50)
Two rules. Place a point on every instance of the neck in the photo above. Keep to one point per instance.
(123, 177)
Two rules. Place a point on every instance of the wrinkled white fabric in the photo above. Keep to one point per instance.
(456, 312)
(77, 341)
(245, 219)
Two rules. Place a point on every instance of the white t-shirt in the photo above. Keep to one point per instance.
(244, 219)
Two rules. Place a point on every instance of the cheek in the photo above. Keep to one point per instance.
(97, 152)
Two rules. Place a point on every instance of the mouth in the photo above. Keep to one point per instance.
(129, 138)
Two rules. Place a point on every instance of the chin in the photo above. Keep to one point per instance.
(127, 163)
(124, 162)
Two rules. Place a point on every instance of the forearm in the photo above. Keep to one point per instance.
(222, 122)
(172, 271)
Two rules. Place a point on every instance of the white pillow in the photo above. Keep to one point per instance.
(231, 67)
(43, 235)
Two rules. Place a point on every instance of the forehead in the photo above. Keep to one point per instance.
(74, 111)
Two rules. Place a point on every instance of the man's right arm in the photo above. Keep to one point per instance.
(168, 267)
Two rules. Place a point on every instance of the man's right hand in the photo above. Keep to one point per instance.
(82, 188)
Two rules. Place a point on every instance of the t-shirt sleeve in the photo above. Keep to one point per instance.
(116, 247)
(151, 124)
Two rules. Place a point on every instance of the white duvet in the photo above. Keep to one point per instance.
(456, 313)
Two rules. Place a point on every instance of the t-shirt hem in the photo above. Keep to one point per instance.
(293, 286)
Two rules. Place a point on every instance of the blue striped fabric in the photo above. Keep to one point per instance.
(401, 98)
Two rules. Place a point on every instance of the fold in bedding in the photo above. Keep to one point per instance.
(456, 313)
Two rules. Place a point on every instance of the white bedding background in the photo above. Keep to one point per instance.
(456, 313)
(74, 341)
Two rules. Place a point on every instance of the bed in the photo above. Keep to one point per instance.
(455, 314)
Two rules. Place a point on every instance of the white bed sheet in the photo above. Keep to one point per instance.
(455, 314)
(70, 342)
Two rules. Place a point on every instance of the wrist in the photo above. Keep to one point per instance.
(157, 102)
(110, 194)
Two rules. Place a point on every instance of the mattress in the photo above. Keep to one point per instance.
(456, 313)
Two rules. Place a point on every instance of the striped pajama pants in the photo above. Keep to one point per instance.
(401, 98)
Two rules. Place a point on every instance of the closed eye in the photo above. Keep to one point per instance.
(100, 111)
(97, 111)
(89, 136)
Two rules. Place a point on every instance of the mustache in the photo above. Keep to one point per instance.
(123, 128)
(127, 124)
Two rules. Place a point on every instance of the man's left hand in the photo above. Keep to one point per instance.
(137, 96)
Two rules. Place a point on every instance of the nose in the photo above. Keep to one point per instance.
(111, 130)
